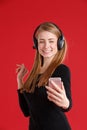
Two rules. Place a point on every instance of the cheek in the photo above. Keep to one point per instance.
(55, 47)
(40, 47)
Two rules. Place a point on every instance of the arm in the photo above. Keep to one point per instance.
(21, 71)
(61, 96)
(66, 78)
(23, 103)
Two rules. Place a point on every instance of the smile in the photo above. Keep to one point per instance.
(47, 51)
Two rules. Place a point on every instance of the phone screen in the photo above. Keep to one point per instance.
(56, 80)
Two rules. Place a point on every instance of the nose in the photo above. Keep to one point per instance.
(46, 45)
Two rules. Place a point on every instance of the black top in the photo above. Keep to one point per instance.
(44, 114)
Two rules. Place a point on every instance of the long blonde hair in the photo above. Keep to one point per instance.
(31, 81)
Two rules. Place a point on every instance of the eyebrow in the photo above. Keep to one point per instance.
(48, 39)
(51, 38)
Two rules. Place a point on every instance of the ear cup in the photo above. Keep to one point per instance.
(35, 43)
(60, 42)
(34, 39)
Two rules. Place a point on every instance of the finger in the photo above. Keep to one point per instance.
(62, 87)
(25, 71)
(19, 65)
(17, 70)
(21, 68)
(55, 86)
(58, 103)
(54, 97)
(22, 65)
(53, 91)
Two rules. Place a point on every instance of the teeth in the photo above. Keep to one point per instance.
(47, 51)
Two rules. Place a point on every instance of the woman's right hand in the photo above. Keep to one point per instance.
(21, 72)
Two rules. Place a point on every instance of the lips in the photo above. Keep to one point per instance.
(47, 51)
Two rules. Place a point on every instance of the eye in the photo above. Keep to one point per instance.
(41, 41)
(51, 41)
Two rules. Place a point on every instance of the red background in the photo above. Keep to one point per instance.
(18, 19)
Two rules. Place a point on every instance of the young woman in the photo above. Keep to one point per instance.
(40, 97)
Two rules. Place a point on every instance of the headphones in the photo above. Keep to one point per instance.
(60, 41)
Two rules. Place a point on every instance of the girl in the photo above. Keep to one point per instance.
(40, 97)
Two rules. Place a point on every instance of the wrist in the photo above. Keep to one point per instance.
(66, 105)
(20, 83)
(19, 79)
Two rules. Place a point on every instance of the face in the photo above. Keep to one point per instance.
(47, 44)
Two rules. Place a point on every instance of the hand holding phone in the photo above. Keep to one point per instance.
(56, 80)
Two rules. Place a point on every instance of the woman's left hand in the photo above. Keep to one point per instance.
(57, 95)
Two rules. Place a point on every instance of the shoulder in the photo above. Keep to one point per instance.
(62, 69)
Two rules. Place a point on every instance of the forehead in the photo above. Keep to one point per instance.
(46, 35)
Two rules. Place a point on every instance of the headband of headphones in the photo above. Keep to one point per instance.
(60, 42)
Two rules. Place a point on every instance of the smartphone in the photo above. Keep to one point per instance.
(57, 81)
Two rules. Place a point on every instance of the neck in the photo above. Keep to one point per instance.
(46, 63)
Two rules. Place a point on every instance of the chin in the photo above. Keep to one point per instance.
(48, 56)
